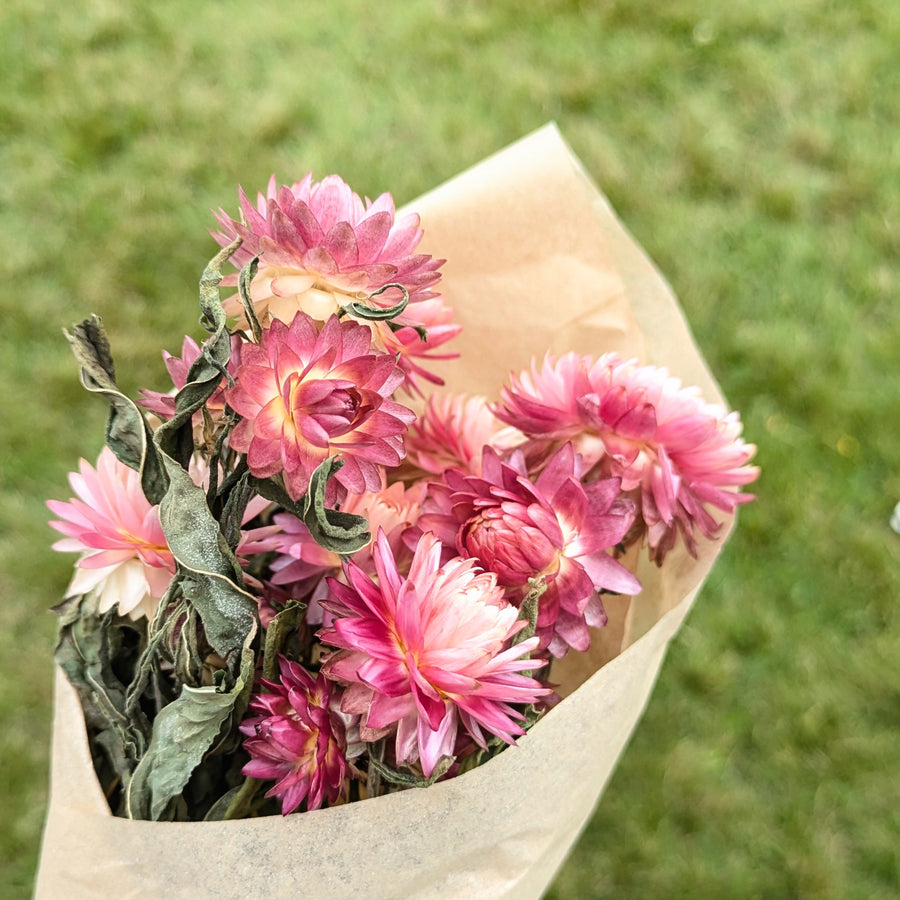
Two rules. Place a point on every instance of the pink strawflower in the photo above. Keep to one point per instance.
(300, 561)
(451, 433)
(298, 738)
(301, 564)
(321, 247)
(393, 509)
(412, 351)
(428, 654)
(179, 367)
(124, 556)
(553, 529)
(306, 395)
(674, 451)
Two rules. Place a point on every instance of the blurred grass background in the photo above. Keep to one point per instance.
(752, 149)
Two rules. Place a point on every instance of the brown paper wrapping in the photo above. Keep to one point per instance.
(535, 259)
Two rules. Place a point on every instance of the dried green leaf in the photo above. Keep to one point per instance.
(248, 273)
(239, 491)
(211, 574)
(218, 812)
(408, 779)
(175, 437)
(280, 630)
(127, 432)
(337, 531)
(361, 310)
(529, 607)
(90, 648)
(183, 733)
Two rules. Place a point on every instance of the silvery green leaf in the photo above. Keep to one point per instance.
(175, 437)
(90, 648)
(127, 431)
(337, 531)
(183, 733)
(211, 576)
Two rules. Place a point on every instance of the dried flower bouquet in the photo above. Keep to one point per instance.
(308, 575)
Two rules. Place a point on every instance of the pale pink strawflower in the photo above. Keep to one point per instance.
(307, 395)
(124, 558)
(553, 529)
(393, 510)
(298, 738)
(413, 351)
(300, 563)
(676, 453)
(429, 656)
(451, 433)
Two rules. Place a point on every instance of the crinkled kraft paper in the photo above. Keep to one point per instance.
(536, 260)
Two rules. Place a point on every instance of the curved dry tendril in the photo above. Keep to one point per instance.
(361, 310)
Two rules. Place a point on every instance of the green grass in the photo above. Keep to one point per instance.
(752, 150)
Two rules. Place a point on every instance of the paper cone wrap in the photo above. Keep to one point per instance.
(536, 260)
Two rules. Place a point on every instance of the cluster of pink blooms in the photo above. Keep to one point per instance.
(421, 644)
(320, 246)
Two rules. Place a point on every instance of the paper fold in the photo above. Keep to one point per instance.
(536, 260)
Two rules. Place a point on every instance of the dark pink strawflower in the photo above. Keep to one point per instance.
(124, 558)
(306, 395)
(428, 654)
(553, 529)
(676, 453)
(297, 738)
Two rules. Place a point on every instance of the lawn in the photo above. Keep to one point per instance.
(751, 148)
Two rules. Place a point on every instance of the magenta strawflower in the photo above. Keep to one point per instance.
(306, 395)
(553, 529)
(673, 451)
(298, 738)
(428, 654)
(124, 555)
